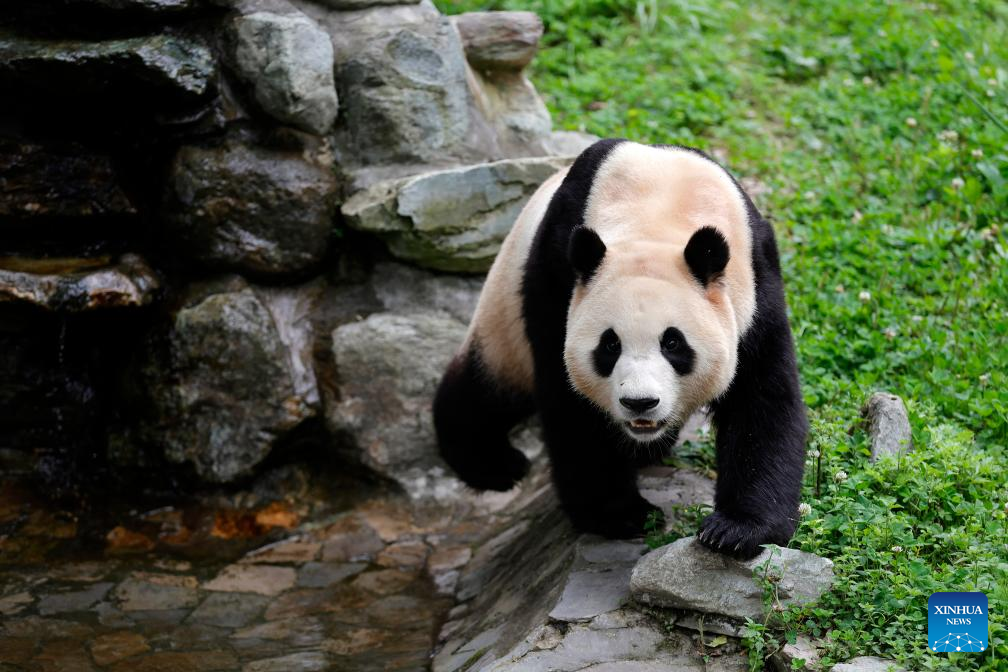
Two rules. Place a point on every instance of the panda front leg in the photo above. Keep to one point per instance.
(473, 414)
(594, 474)
(761, 430)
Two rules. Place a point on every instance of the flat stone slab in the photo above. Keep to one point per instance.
(78, 600)
(150, 592)
(259, 579)
(685, 575)
(129, 283)
(588, 594)
(229, 610)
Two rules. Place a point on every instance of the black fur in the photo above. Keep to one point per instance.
(472, 418)
(760, 420)
(585, 252)
(607, 353)
(706, 254)
(677, 351)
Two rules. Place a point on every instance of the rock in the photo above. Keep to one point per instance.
(401, 288)
(75, 285)
(868, 664)
(513, 107)
(803, 649)
(499, 40)
(116, 646)
(568, 143)
(78, 600)
(259, 579)
(290, 551)
(145, 591)
(229, 610)
(402, 79)
(143, 71)
(453, 220)
(351, 538)
(306, 661)
(590, 593)
(325, 574)
(11, 605)
(888, 425)
(179, 661)
(229, 377)
(64, 181)
(250, 209)
(685, 575)
(389, 366)
(59, 9)
(287, 60)
(362, 4)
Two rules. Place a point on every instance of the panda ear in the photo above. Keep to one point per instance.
(707, 254)
(585, 252)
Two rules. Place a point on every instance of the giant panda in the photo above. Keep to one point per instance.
(635, 287)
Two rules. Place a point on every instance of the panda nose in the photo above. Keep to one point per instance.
(640, 404)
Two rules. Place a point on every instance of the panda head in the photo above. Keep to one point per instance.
(650, 335)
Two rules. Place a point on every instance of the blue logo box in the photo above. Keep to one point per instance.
(957, 622)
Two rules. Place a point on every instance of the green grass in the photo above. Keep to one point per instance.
(877, 132)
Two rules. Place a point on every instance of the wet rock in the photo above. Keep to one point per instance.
(78, 286)
(66, 182)
(685, 575)
(77, 600)
(259, 579)
(250, 209)
(868, 664)
(145, 591)
(888, 425)
(188, 661)
(11, 605)
(287, 60)
(453, 220)
(325, 574)
(389, 366)
(116, 646)
(306, 661)
(568, 143)
(231, 376)
(351, 538)
(229, 610)
(404, 98)
(145, 70)
(499, 40)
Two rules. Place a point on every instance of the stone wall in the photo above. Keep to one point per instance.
(224, 225)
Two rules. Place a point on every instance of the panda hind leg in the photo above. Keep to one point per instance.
(473, 415)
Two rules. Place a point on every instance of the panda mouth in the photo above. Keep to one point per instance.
(643, 427)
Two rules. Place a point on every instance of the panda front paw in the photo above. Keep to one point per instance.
(742, 539)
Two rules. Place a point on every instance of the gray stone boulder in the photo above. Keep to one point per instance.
(250, 209)
(404, 94)
(287, 60)
(499, 40)
(868, 664)
(888, 425)
(453, 220)
(231, 376)
(685, 575)
(75, 285)
(388, 367)
(144, 70)
(344, 5)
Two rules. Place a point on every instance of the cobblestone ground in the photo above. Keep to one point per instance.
(271, 587)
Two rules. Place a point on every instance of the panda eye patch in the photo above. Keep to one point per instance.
(607, 353)
(677, 351)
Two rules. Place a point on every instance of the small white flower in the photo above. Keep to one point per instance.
(988, 234)
(804, 509)
(839, 289)
(840, 476)
(809, 195)
(848, 82)
(991, 81)
(889, 333)
(935, 44)
(990, 93)
(917, 318)
(958, 183)
(857, 216)
(969, 56)
(984, 378)
(977, 153)
(911, 122)
(813, 454)
(897, 549)
(948, 135)
(867, 81)
(864, 295)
